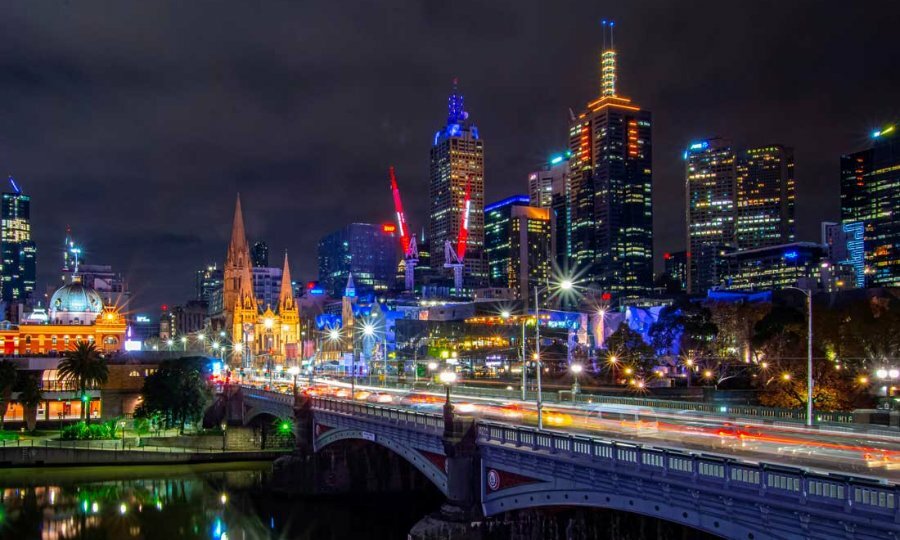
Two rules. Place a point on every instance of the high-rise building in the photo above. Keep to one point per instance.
(709, 188)
(550, 188)
(208, 280)
(870, 193)
(798, 264)
(19, 267)
(611, 184)
(518, 245)
(367, 251)
(675, 266)
(764, 204)
(259, 254)
(845, 245)
(457, 168)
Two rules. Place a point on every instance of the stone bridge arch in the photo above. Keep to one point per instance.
(431, 464)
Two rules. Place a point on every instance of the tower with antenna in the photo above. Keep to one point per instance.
(611, 185)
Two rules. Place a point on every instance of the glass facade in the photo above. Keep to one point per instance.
(366, 250)
(791, 265)
(870, 194)
(765, 197)
(18, 249)
(518, 245)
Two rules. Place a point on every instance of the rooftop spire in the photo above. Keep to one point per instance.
(608, 62)
(455, 108)
(238, 249)
(286, 296)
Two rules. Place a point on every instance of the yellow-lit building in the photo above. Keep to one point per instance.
(261, 335)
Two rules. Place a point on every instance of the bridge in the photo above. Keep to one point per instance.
(487, 468)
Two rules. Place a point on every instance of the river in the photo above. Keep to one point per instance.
(219, 501)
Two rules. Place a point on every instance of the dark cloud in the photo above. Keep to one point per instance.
(136, 123)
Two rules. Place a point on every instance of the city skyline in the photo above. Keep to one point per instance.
(166, 187)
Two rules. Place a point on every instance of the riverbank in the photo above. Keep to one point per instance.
(62, 455)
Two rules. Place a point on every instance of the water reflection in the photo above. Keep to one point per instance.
(220, 502)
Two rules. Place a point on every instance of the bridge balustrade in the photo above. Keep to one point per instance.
(796, 485)
(432, 421)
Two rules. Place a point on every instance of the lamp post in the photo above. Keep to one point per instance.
(576, 370)
(369, 331)
(294, 371)
(809, 354)
(564, 285)
(447, 378)
(613, 367)
(184, 343)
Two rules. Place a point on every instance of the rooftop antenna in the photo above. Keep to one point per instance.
(608, 63)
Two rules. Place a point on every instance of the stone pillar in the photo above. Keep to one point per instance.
(303, 424)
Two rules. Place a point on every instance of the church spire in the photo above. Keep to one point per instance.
(238, 246)
(350, 289)
(286, 296)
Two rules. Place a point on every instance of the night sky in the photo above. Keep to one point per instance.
(137, 122)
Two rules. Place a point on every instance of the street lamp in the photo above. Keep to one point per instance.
(809, 353)
(564, 285)
(294, 371)
(169, 343)
(613, 365)
(576, 370)
(183, 343)
(368, 331)
(447, 378)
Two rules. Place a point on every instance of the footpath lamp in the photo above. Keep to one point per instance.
(506, 315)
(183, 343)
(576, 370)
(809, 353)
(447, 378)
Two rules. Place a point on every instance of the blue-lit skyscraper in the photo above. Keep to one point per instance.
(18, 249)
(457, 165)
(870, 193)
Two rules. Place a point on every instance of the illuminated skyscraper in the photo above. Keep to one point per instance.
(870, 193)
(765, 197)
(518, 245)
(457, 165)
(367, 251)
(710, 189)
(611, 182)
(550, 188)
(259, 254)
(17, 247)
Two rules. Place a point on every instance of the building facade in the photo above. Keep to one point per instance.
(675, 266)
(19, 268)
(799, 264)
(367, 251)
(845, 245)
(260, 335)
(208, 280)
(611, 184)
(259, 254)
(457, 168)
(870, 194)
(710, 169)
(765, 195)
(518, 240)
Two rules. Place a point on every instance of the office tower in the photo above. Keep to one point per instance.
(845, 245)
(709, 188)
(611, 182)
(208, 280)
(870, 193)
(675, 266)
(365, 250)
(550, 187)
(457, 168)
(518, 245)
(764, 205)
(19, 267)
(259, 255)
(798, 264)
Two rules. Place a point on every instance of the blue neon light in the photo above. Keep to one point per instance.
(876, 133)
(317, 291)
(515, 199)
(700, 145)
(14, 186)
(556, 159)
(791, 254)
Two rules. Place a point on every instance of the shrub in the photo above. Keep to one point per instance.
(89, 432)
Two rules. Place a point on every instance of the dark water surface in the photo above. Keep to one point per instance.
(217, 501)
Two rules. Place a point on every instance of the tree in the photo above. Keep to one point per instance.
(177, 391)
(631, 349)
(30, 396)
(84, 366)
(7, 381)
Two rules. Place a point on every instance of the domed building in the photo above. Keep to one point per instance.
(76, 313)
(75, 303)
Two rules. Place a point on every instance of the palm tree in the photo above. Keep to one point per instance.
(7, 381)
(30, 396)
(86, 368)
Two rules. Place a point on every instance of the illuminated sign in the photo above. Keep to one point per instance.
(791, 254)
(388, 228)
(556, 159)
(142, 319)
(317, 291)
(132, 345)
(700, 146)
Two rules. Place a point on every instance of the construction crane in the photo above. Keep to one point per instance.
(407, 242)
(455, 258)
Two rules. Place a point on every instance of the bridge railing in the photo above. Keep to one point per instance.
(434, 421)
(842, 492)
(269, 395)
